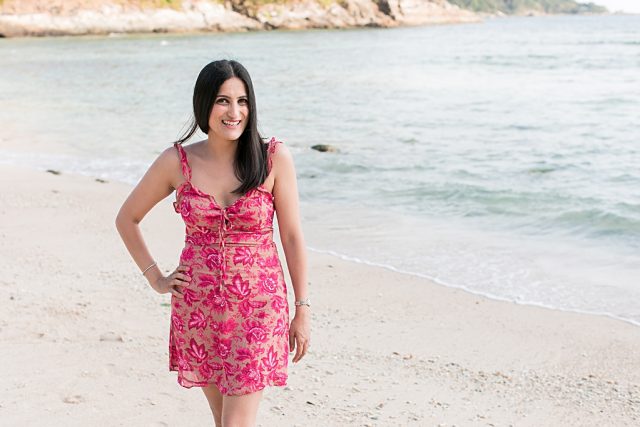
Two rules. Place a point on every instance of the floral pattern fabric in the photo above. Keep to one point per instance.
(231, 328)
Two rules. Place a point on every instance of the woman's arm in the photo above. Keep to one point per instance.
(285, 191)
(157, 183)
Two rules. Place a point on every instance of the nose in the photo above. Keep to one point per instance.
(234, 109)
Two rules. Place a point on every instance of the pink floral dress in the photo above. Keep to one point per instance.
(231, 328)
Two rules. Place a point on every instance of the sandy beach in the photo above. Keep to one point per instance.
(85, 339)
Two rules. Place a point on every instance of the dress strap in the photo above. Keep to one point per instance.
(186, 169)
(271, 149)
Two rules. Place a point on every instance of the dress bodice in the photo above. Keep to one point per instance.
(246, 222)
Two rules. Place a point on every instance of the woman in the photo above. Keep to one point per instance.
(230, 331)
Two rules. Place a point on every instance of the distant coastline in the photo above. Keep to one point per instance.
(74, 17)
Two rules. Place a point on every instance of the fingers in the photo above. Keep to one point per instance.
(178, 279)
(292, 342)
(181, 277)
(183, 269)
(175, 292)
(302, 345)
(176, 289)
(298, 354)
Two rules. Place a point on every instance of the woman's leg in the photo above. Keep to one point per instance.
(215, 402)
(241, 411)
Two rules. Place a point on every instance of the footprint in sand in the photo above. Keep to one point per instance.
(73, 400)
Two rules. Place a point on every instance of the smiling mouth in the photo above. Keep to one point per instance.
(231, 123)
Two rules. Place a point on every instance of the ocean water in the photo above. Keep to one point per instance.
(502, 158)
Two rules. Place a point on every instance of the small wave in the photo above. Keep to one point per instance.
(410, 141)
(608, 43)
(624, 177)
(598, 222)
(541, 170)
(518, 127)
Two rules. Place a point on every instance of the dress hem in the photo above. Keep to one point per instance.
(252, 389)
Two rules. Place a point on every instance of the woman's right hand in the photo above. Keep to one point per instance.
(174, 282)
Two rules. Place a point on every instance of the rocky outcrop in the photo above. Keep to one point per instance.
(311, 14)
(419, 12)
(62, 17)
(108, 18)
(360, 13)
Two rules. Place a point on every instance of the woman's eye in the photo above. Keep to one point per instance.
(221, 101)
(243, 101)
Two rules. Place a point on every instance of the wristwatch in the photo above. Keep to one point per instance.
(303, 302)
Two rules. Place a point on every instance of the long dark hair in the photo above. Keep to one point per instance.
(250, 164)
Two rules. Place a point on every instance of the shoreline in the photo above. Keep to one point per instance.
(104, 17)
(349, 258)
(388, 348)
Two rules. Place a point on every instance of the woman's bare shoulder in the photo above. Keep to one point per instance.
(169, 157)
(169, 166)
(194, 148)
(280, 152)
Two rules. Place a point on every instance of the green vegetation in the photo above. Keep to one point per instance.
(172, 4)
(258, 3)
(327, 3)
(514, 7)
(152, 4)
(156, 4)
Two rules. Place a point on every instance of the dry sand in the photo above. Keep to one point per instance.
(84, 339)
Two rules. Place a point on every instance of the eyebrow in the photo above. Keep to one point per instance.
(226, 96)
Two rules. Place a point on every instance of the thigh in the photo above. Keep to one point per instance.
(215, 402)
(241, 411)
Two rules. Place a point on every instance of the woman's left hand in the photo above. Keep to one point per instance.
(300, 335)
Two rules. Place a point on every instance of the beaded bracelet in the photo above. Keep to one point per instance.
(151, 266)
(303, 302)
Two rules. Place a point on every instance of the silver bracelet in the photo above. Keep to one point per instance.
(151, 266)
(303, 302)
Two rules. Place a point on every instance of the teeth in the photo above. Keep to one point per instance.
(231, 123)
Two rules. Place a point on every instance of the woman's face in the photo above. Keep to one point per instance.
(230, 110)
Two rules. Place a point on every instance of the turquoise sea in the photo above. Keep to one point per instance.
(502, 157)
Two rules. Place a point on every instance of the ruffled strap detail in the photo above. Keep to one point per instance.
(271, 149)
(186, 169)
